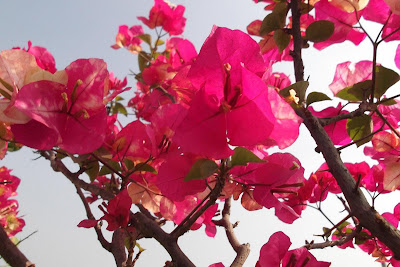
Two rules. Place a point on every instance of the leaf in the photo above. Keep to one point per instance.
(305, 8)
(281, 39)
(142, 60)
(385, 78)
(201, 169)
(316, 97)
(118, 98)
(274, 20)
(13, 147)
(119, 108)
(159, 42)
(92, 170)
(326, 230)
(342, 226)
(146, 38)
(144, 167)
(242, 156)
(320, 31)
(358, 128)
(299, 87)
(361, 238)
(129, 164)
(356, 92)
(113, 164)
(388, 102)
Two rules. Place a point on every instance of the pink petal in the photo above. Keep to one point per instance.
(87, 223)
(274, 250)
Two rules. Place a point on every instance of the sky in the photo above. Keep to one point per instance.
(82, 29)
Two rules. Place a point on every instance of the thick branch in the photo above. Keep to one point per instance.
(367, 216)
(296, 32)
(11, 253)
(242, 250)
(359, 206)
(150, 229)
(118, 247)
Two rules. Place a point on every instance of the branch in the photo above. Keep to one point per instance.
(296, 32)
(58, 166)
(343, 116)
(367, 216)
(104, 243)
(190, 220)
(118, 247)
(242, 250)
(333, 243)
(150, 229)
(11, 253)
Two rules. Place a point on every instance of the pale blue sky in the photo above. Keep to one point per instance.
(82, 28)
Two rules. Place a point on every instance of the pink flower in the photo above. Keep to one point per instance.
(169, 16)
(44, 58)
(344, 21)
(275, 253)
(127, 37)
(348, 74)
(227, 76)
(71, 116)
(336, 131)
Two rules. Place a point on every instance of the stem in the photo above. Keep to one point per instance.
(242, 250)
(104, 243)
(375, 51)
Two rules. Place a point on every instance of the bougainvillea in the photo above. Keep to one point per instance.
(207, 128)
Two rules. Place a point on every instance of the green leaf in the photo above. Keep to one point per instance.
(388, 102)
(242, 156)
(159, 42)
(118, 98)
(299, 87)
(201, 169)
(275, 20)
(385, 78)
(142, 60)
(342, 225)
(348, 230)
(361, 238)
(281, 39)
(320, 31)
(13, 147)
(144, 167)
(326, 230)
(316, 97)
(113, 164)
(305, 8)
(129, 164)
(356, 92)
(146, 38)
(92, 170)
(119, 108)
(358, 128)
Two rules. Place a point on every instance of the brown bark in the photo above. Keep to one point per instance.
(360, 208)
(11, 253)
